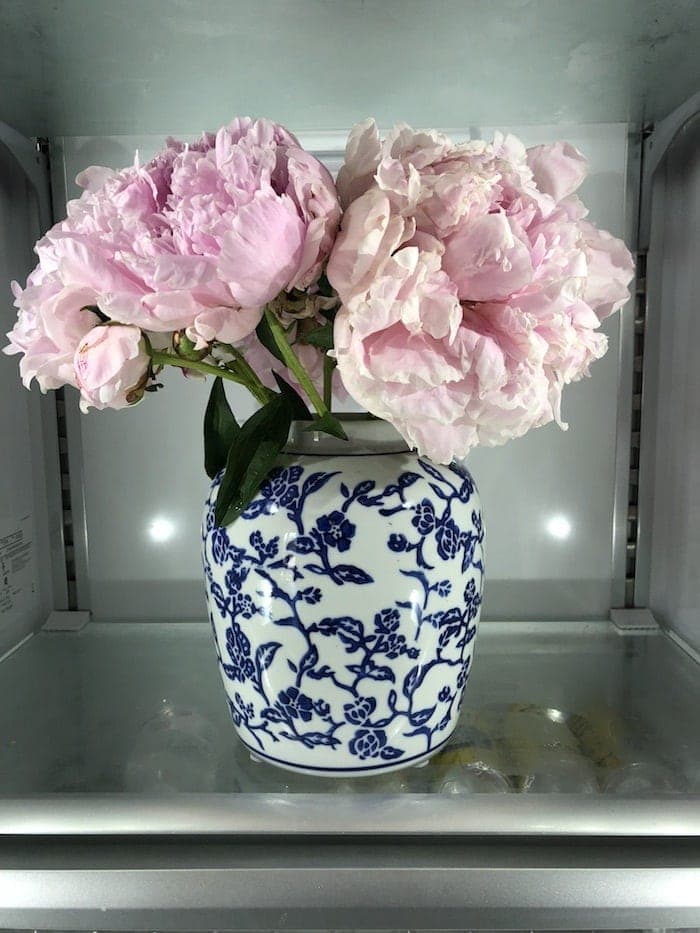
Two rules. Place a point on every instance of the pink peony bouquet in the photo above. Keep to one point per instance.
(454, 288)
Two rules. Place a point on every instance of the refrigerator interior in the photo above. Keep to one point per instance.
(581, 713)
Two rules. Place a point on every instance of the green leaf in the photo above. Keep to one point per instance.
(321, 337)
(328, 424)
(220, 429)
(267, 339)
(251, 458)
(298, 406)
(325, 288)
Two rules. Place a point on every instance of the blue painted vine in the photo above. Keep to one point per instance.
(323, 549)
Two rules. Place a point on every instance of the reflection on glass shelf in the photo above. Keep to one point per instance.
(138, 708)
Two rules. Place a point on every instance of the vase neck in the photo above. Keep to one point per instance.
(365, 436)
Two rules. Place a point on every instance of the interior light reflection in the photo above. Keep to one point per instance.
(161, 529)
(559, 527)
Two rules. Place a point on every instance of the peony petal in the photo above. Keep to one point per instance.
(261, 253)
(486, 261)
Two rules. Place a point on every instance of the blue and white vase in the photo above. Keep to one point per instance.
(344, 603)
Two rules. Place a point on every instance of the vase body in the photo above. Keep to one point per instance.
(344, 603)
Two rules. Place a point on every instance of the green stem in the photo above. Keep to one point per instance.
(329, 365)
(160, 358)
(246, 370)
(293, 363)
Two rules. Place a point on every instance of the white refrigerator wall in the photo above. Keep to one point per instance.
(549, 498)
(25, 573)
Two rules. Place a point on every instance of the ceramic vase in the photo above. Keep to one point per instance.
(345, 601)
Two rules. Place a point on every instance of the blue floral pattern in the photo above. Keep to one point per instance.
(344, 610)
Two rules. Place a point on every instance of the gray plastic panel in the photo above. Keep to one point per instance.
(31, 547)
(670, 493)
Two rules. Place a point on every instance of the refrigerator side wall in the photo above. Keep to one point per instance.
(29, 531)
(674, 582)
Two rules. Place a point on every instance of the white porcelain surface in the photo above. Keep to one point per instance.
(344, 604)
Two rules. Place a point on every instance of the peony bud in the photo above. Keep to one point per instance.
(186, 349)
(112, 366)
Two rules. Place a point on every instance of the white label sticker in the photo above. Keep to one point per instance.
(17, 578)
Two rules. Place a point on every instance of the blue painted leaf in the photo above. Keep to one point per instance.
(422, 716)
(312, 739)
(265, 654)
(355, 668)
(380, 673)
(467, 558)
(350, 631)
(431, 471)
(233, 673)
(346, 573)
(438, 491)
(451, 617)
(408, 479)
(309, 661)
(256, 508)
(271, 715)
(315, 568)
(389, 753)
(292, 666)
(411, 681)
(367, 485)
(344, 490)
(447, 633)
(301, 545)
(316, 481)
(320, 672)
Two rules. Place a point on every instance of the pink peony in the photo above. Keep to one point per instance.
(111, 365)
(472, 287)
(51, 323)
(199, 238)
(258, 211)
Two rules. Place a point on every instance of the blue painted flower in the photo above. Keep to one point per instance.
(394, 646)
(398, 543)
(311, 595)
(322, 708)
(240, 710)
(424, 517)
(238, 648)
(336, 530)
(387, 621)
(244, 605)
(472, 600)
(444, 695)
(448, 539)
(280, 486)
(220, 545)
(359, 711)
(235, 578)
(443, 588)
(367, 743)
(295, 704)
